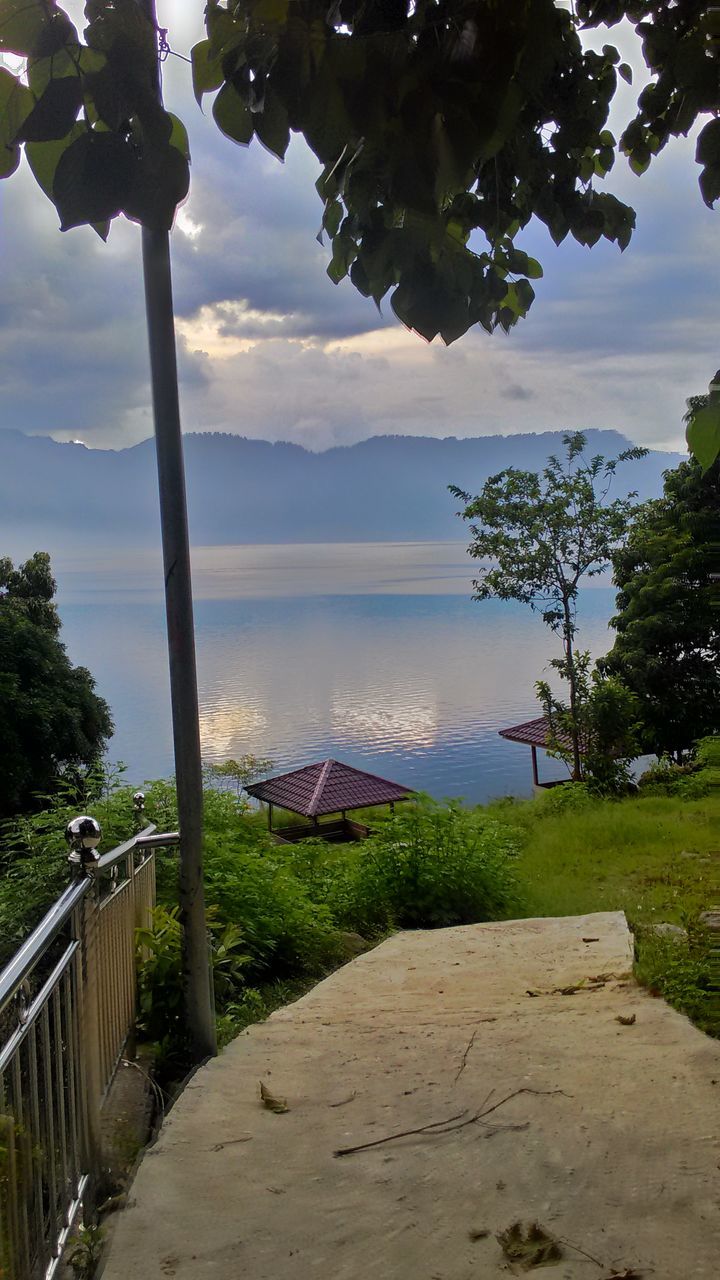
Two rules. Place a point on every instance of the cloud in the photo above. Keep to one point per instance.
(269, 347)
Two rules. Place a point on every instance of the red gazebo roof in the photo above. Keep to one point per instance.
(327, 787)
(535, 733)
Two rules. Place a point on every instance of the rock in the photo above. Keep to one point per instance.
(710, 920)
(667, 930)
(354, 944)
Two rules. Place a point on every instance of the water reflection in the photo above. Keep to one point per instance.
(385, 720)
(410, 681)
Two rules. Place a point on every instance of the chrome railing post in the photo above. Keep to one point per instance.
(83, 835)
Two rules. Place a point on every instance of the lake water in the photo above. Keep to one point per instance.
(370, 653)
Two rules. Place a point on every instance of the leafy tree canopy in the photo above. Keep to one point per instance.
(538, 536)
(51, 720)
(667, 649)
(443, 128)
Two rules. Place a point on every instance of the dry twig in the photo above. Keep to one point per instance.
(450, 1125)
(468, 1047)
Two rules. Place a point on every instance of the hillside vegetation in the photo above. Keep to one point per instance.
(282, 916)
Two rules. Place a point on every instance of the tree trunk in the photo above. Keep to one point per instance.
(572, 681)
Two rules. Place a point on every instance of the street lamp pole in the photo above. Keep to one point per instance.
(180, 626)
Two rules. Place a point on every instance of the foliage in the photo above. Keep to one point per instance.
(667, 649)
(667, 778)
(161, 999)
(427, 866)
(52, 723)
(84, 1251)
(95, 135)
(606, 717)
(537, 536)
(33, 851)
(237, 772)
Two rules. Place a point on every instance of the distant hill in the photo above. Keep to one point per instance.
(67, 497)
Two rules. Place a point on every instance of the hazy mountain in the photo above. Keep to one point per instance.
(69, 497)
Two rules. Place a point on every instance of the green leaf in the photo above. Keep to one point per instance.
(9, 159)
(93, 178)
(27, 27)
(707, 153)
(332, 217)
(41, 71)
(707, 150)
(207, 72)
(179, 137)
(160, 181)
(16, 102)
(271, 126)
(44, 157)
(232, 115)
(55, 113)
(703, 435)
(625, 70)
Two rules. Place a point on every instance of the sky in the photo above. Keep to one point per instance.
(270, 348)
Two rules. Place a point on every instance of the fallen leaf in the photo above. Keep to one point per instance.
(533, 993)
(534, 1247)
(268, 1099)
(628, 1021)
(591, 939)
(479, 1234)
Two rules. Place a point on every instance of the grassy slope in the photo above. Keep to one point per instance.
(657, 859)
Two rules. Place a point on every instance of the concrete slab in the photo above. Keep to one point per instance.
(611, 1140)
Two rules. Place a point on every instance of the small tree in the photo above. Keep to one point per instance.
(540, 535)
(668, 621)
(237, 773)
(51, 719)
(606, 720)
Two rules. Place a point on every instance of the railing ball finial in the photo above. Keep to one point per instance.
(139, 801)
(83, 835)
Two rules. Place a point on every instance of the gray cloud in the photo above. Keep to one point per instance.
(271, 348)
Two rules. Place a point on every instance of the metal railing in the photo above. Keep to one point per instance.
(67, 1005)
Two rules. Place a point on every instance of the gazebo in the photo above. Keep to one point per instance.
(318, 790)
(536, 733)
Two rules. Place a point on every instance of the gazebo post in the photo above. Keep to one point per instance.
(270, 814)
(536, 779)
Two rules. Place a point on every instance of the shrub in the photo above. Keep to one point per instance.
(666, 778)
(429, 865)
(160, 993)
(570, 797)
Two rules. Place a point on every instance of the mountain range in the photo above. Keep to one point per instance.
(67, 497)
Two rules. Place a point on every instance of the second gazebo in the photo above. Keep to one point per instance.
(320, 790)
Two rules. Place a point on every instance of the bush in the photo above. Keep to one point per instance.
(160, 995)
(666, 778)
(569, 797)
(430, 865)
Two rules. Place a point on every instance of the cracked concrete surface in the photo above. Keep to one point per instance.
(613, 1145)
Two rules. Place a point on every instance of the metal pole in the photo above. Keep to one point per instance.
(180, 628)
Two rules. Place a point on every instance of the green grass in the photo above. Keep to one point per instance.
(655, 858)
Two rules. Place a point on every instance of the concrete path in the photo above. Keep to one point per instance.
(609, 1137)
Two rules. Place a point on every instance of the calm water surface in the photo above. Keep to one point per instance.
(372, 653)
